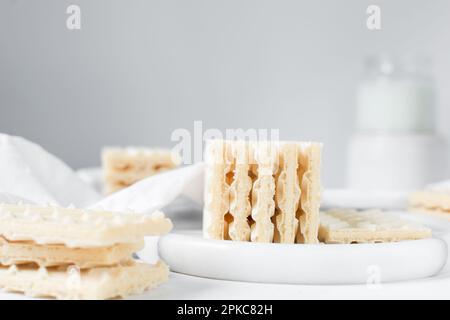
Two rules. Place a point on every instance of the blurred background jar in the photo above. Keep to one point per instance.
(396, 145)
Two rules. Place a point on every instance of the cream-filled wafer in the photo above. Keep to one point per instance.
(89, 284)
(217, 189)
(287, 195)
(24, 252)
(309, 176)
(76, 227)
(444, 214)
(111, 187)
(263, 193)
(131, 158)
(350, 226)
(240, 188)
(431, 200)
(124, 166)
(127, 178)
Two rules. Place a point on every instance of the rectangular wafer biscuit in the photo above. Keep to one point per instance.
(240, 188)
(217, 189)
(431, 200)
(351, 226)
(89, 284)
(264, 169)
(76, 227)
(24, 252)
(123, 167)
(309, 176)
(444, 214)
(287, 195)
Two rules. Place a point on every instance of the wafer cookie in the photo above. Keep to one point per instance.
(77, 228)
(287, 194)
(263, 193)
(89, 284)
(217, 189)
(309, 176)
(123, 167)
(438, 213)
(240, 207)
(351, 226)
(431, 200)
(24, 252)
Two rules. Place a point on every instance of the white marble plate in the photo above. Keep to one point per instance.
(187, 252)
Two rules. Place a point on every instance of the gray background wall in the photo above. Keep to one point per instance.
(137, 70)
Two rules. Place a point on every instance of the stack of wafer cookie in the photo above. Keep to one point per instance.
(262, 191)
(434, 201)
(123, 167)
(369, 226)
(69, 253)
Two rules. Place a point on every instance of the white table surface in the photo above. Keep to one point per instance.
(187, 287)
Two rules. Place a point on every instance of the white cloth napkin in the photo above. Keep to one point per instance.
(31, 174)
(28, 171)
(157, 191)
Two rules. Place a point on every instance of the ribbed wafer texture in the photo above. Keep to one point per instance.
(309, 175)
(351, 226)
(76, 227)
(264, 168)
(118, 281)
(254, 191)
(217, 189)
(287, 194)
(240, 207)
(123, 167)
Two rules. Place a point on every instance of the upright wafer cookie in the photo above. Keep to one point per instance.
(25, 252)
(309, 176)
(350, 226)
(217, 189)
(240, 207)
(263, 193)
(287, 194)
(77, 228)
(96, 283)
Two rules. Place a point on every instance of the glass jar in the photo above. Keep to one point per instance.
(395, 146)
(396, 95)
